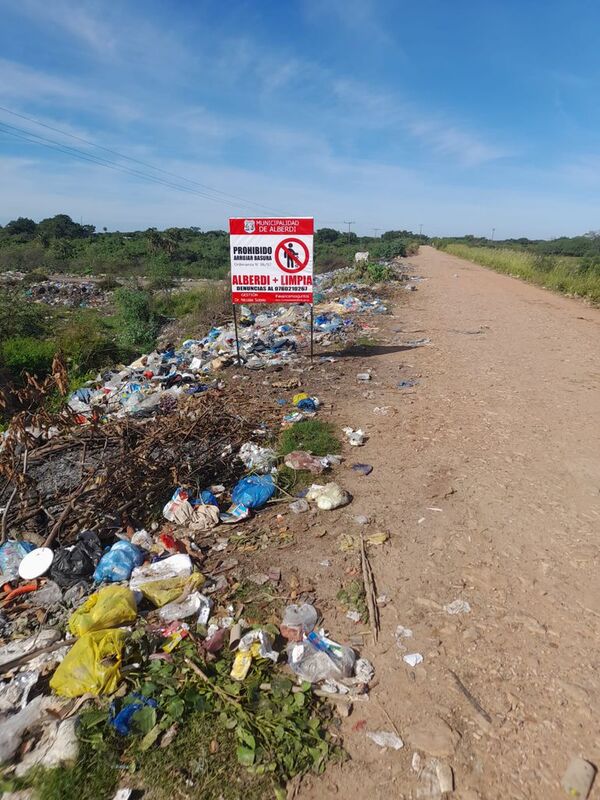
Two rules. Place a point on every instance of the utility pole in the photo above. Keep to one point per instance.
(493, 232)
(348, 224)
(376, 231)
(421, 229)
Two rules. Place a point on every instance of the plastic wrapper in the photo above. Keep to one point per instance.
(92, 665)
(300, 459)
(194, 604)
(108, 608)
(118, 564)
(166, 580)
(253, 491)
(256, 458)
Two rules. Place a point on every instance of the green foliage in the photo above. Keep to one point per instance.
(20, 353)
(19, 317)
(353, 598)
(137, 323)
(312, 435)
(230, 739)
(88, 342)
(61, 226)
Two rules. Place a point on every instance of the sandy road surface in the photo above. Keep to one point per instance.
(487, 476)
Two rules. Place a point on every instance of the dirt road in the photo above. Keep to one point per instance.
(487, 476)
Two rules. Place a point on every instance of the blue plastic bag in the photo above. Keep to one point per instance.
(308, 404)
(122, 721)
(253, 491)
(11, 555)
(118, 564)
(208, 498)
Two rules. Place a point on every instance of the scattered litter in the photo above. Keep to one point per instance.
(457, 607)
(298, 621)
(363, 376)
(36, 563)
(118, 564)
(353, 615)
(407, 384)
(361, 519)
(382, 411)
(412, 659)
(386, 739)
(402, 633)
(257, 458)
(108, 608)
(299, 459)
(92, 665)
(318, 658)
(329, 496)
(299, 506)
(364, 469)
(356, 437)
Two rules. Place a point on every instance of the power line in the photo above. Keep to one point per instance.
(34, 138)
(124, 157)
(348, 224)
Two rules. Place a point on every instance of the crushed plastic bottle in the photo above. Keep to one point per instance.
(297, 621)
(318, 658)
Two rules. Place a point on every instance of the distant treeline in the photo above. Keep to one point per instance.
(586, 245)
(58, 244)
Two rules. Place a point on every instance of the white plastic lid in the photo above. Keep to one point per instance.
(36, 563)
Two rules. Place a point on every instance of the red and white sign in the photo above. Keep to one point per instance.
(271, 259)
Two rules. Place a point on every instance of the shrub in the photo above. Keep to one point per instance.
(138, 325)
(20, 353)
(312, 435)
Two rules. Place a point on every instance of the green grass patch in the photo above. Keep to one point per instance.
(565, 274)
(312, 435)
(228, 739)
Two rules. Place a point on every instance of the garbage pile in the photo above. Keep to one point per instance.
(114, 574)
(60, 480)
(68, 294)
(271, 338)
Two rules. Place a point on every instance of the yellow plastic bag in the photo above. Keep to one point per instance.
(298, 397)
(165, 591)
(92, 665)
(108, 608)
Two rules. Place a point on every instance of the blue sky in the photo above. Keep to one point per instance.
(458, 116)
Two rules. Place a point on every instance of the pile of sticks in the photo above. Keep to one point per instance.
(84, 477)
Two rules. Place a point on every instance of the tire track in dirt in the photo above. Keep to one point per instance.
(502, 433)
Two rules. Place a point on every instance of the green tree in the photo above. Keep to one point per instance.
(61, 226)
(20, 226)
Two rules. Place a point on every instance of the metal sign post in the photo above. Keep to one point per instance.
(237, 338)
(312, 330)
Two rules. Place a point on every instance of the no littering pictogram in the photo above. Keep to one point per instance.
(291, 255)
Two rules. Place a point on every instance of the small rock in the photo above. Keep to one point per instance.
(445, 777)
(579, 777)
(433, 736)
(386, 739)
(360, 519)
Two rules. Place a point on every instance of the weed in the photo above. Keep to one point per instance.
(312, 435)
(352, 597)
(561, 273)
